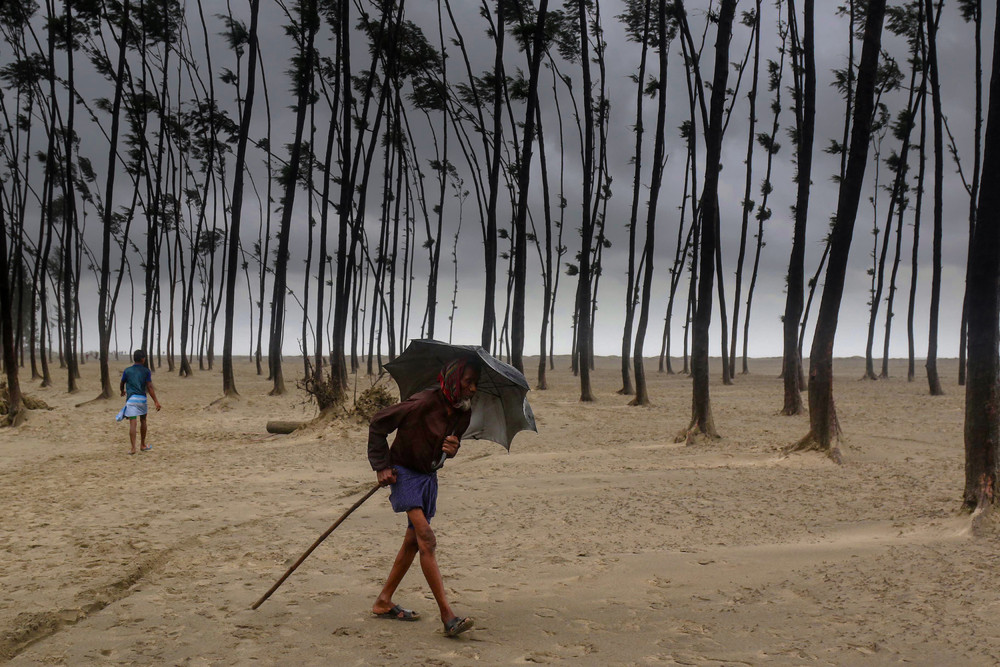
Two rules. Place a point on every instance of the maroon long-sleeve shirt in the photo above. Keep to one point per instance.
(421, 423)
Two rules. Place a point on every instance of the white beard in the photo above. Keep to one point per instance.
(464, 405)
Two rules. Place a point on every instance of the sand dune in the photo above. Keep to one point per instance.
(598, 541)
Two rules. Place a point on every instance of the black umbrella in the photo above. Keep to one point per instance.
(500, 407)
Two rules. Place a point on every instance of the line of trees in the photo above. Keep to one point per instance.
(160, 124)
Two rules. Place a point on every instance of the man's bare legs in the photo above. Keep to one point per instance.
(131, 433)
(399, 569)
(427, 546)
(142, 432)
(419, 539)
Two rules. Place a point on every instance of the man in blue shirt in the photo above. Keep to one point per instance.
(136, 382)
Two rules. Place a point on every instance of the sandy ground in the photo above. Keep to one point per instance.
(598, 541)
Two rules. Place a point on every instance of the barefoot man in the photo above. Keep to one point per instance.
(427, 424)
(136, 382)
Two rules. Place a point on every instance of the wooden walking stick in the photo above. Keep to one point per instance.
(315, 544)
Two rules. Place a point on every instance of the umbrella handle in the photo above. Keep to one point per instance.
(444, 455)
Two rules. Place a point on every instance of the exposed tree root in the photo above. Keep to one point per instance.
(27, 401)
(811, 443)
(224, 402)
(96, 399)
(695, 435)
(985, 521)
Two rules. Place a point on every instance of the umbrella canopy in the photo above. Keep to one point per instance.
(500, 407)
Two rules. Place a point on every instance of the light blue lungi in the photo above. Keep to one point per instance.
(135, 406)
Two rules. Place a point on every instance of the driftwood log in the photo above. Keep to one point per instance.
(283, 427)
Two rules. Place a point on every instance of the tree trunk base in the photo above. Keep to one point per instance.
(792, 410)
(985, 521)
(695, 435)
(19, 418)
(811, 443)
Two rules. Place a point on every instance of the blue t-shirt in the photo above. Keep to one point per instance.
(136, 377)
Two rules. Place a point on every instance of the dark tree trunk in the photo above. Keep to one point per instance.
(105, 315)
(770, 144)
(917, 214)
(677, 271)
(824, 431)
(310, 235)
(806, 130)
(849, 91)
(977, 19)
(549, 263)
(325, 202)
(342, 284)
(523, 182)
(916, 58)
(236, 212)
(15, 406)
(748, 184)
(982, 389)
(630, 278)
(656, 179)
(933, 380)
(490, 238)
(702, 422)
(583, 295)
(304, 88)
(69, 217)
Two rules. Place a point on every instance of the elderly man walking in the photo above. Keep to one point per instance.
(428, 425)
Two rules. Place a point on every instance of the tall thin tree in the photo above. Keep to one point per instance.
(805, 130)
(982, 389)
(15, 405)
(662, 44)
(933, 379)
(236, 209)
(972, 10)
(824, 434)
(523, 183)
(702, 421)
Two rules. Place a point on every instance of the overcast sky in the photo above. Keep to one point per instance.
(956, 56)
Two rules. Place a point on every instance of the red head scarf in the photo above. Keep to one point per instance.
(450, 379)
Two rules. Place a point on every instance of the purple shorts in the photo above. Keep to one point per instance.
(414, 490)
